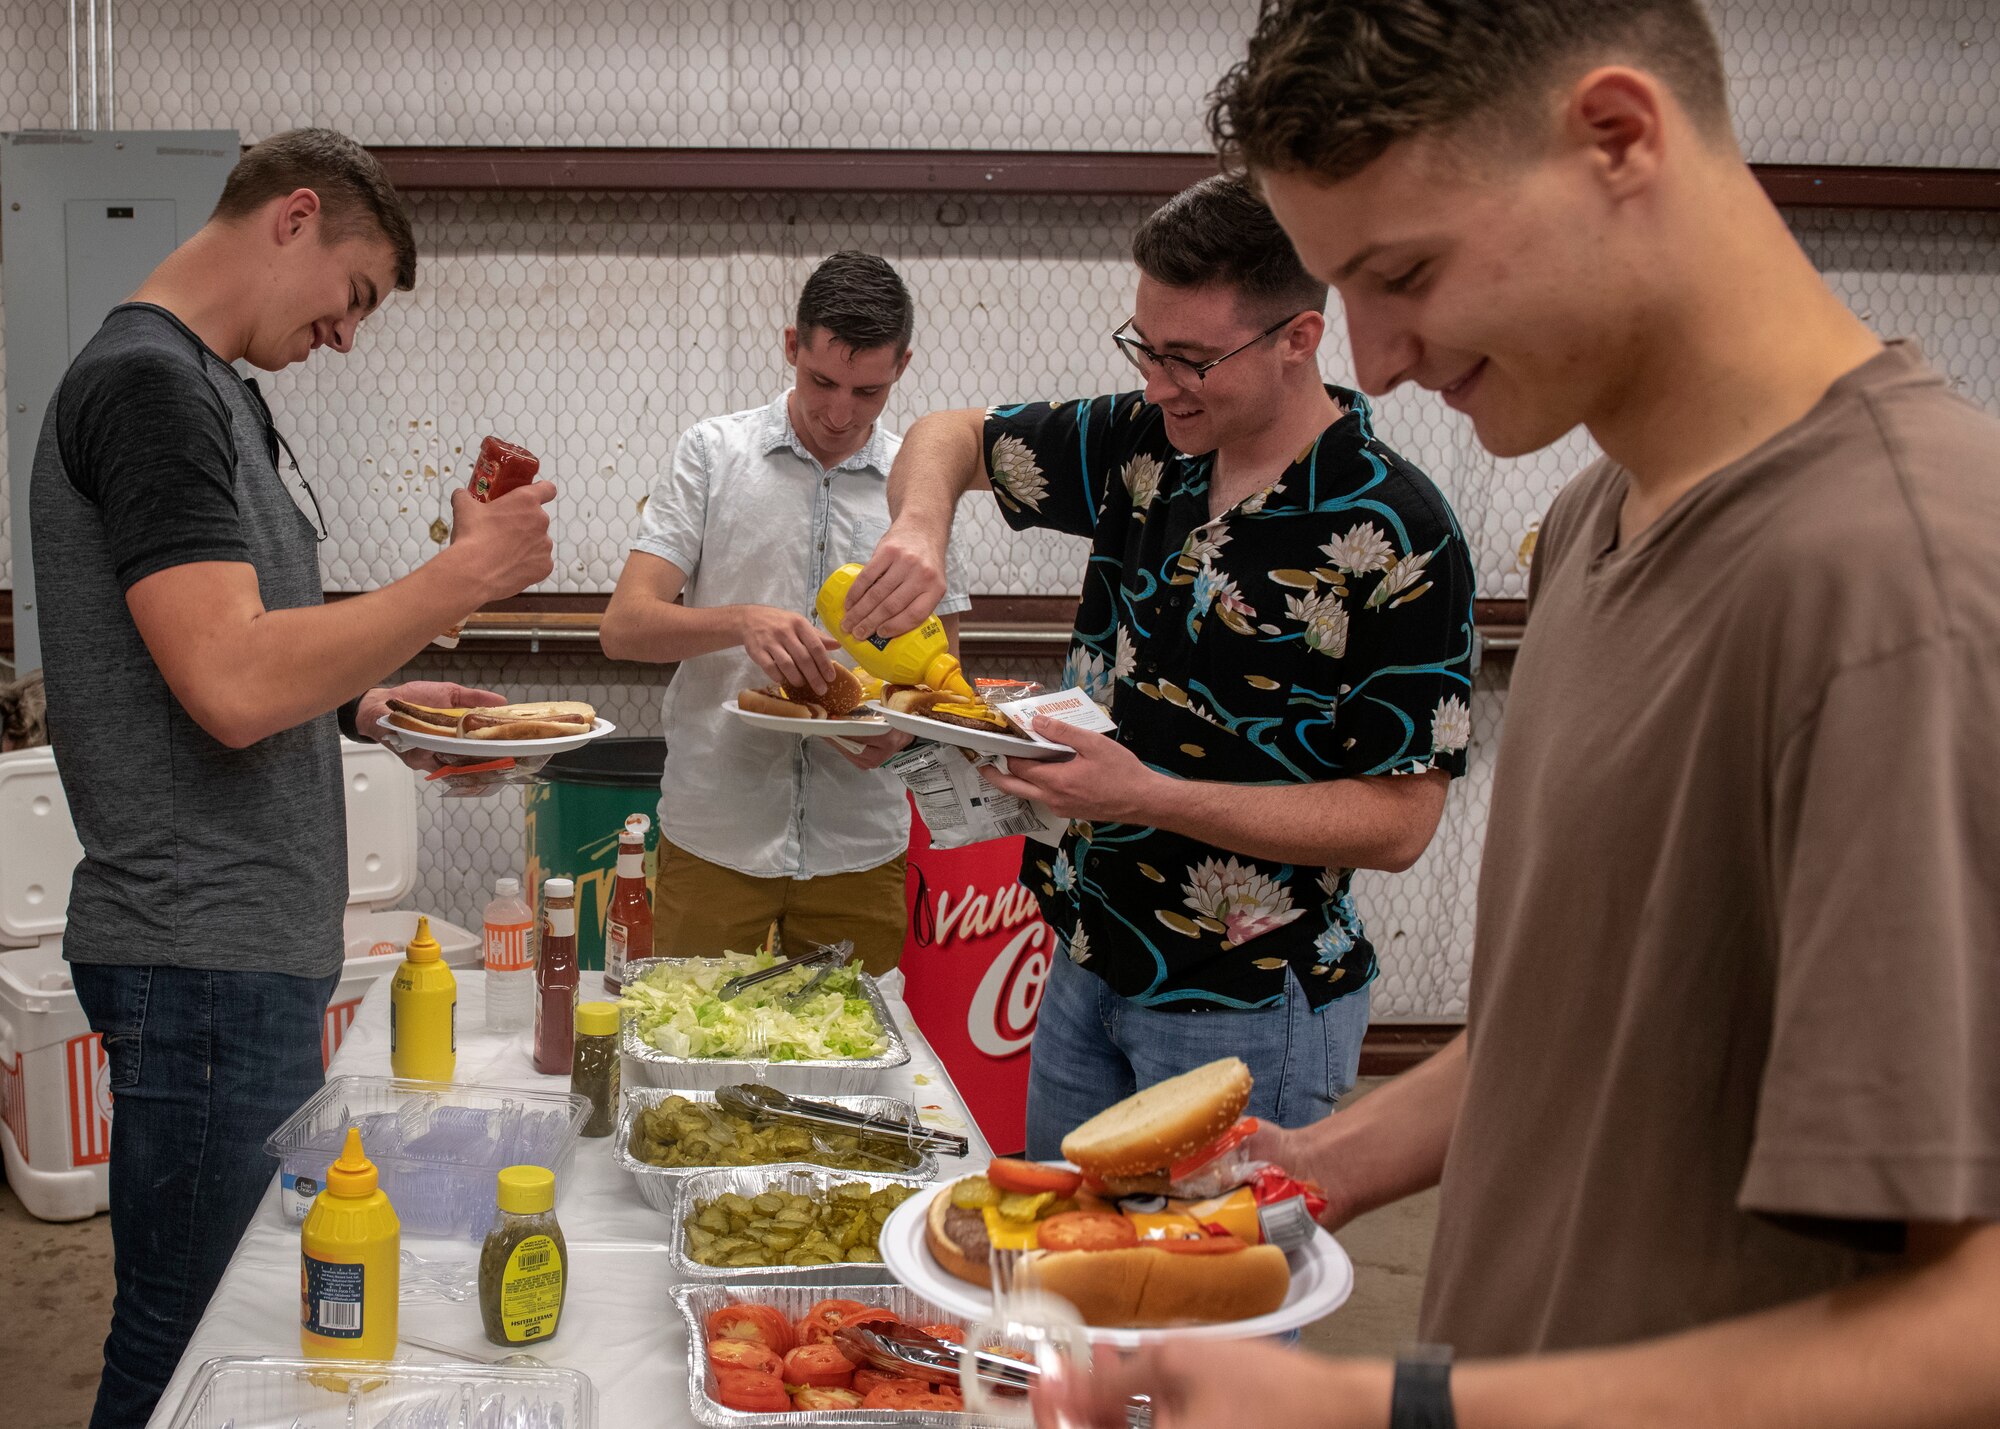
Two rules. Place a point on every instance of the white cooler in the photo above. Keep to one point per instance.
(55, 1097)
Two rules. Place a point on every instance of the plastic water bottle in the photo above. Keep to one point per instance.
(510, 958)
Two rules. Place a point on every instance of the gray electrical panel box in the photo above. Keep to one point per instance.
(85, 215)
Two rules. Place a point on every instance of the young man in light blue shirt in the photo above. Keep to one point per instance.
(756, 510)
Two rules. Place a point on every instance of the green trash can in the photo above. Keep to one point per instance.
(574, 819)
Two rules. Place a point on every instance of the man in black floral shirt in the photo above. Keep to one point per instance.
(1278, 613)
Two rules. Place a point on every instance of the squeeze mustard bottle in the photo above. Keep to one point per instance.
(916, 657)
(350, 1265)
(423, 1012)
(524, 1265)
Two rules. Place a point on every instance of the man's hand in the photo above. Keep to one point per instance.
(1104, 784)
(1308, 1154)
(1197, 1385)
(505, 541)
(786, 646)
(437, 694)
(899, 588)
(873, 752)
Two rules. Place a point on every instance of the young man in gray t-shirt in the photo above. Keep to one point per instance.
(196, 691)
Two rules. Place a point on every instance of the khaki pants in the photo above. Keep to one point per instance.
(701, 909)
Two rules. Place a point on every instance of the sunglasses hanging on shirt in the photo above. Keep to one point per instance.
(274, 442)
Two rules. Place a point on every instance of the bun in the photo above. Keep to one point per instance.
(842, 694)
(423, 719)
(1142, 1286)
(969, 1262)
(572, 715)
(769, 701)
(1161, 1124)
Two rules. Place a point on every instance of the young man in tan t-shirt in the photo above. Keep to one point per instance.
(1721, 1143)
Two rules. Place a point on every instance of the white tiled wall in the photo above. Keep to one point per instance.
(594, 327)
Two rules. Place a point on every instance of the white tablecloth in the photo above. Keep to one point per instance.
(619, 1325)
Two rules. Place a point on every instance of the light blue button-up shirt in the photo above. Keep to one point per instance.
(754, 519)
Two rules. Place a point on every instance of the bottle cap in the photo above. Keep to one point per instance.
(353, 1174)
(637, 826)
(527, 1190)
(597, 1019)
(424, 948)
(558, 888)
(507, 887)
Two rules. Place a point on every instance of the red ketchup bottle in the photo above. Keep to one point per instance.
(556, 978)
(499, 469)
(628, 923)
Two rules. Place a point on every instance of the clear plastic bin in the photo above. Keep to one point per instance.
(437, 1145)
(271, 1393)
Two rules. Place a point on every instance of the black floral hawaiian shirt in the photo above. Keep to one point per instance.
(1320, 629)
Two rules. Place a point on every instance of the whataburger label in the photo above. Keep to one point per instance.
(1071, 706)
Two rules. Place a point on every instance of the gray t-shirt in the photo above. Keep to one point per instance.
(156, 454)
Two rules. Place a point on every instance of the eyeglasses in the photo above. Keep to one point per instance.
(1178, 370)
(274, 441)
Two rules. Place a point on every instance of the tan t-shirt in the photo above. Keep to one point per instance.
(1736, 990)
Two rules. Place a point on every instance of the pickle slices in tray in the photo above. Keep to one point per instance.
(786, 1228)
(678, 1134)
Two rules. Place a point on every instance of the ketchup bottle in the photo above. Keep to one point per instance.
(556, 978)
(628, 923)
(499, 469)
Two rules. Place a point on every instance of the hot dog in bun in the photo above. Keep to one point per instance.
(546, 719)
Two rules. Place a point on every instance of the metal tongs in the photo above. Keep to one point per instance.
(828, 955)
(762, 1103)
(902, 1348)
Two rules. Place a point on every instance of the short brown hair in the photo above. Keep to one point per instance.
(354, 193)
(1329, 84)
(1219, 232)
(860, 301)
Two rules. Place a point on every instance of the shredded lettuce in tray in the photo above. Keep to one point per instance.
(676, 1009)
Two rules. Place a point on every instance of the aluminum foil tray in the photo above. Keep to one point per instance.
(647, 1066)
(657, 1184)
(750, 1181)
(698, 1302)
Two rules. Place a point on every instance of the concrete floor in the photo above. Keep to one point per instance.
(55, 1302)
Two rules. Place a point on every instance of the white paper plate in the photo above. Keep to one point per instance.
(1322, 1279)
(788, 724)
(502, 748)
(1014, 747)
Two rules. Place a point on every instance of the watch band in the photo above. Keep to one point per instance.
(1421, 1398)
(348, 715)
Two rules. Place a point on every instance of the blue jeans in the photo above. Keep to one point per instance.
(1093, 1048)
(203, 1067)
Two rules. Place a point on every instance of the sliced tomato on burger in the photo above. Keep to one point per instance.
(751, 1391)
(1030, 1178)
(821, 1365)
(1206, 1245)
(1086, 1230)
(817, 1325)
(815, 1398)
(744, 1354)
(765, 1324)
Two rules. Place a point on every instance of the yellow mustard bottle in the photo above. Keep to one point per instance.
(350, 1264)
(916, 657)
(524, 1265)
(423, 1012)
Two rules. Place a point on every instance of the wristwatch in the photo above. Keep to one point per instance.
(1421, 1398)
(348, 716)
